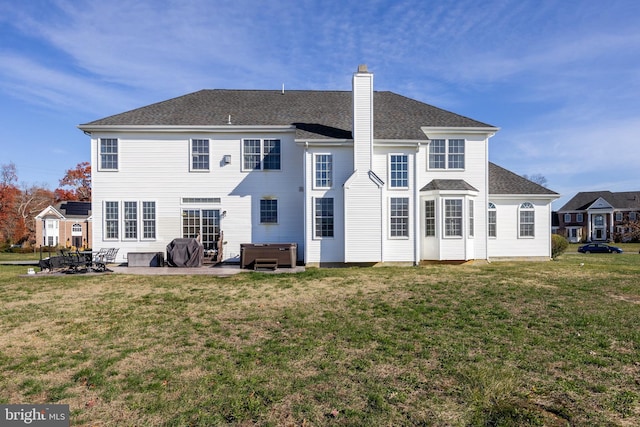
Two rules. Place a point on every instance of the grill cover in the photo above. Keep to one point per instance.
(185, 253)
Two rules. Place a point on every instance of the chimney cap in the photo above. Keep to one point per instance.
(362, 68)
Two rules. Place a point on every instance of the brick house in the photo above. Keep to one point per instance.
(65, 224)
(598, 215)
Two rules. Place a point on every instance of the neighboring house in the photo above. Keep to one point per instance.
(350, 177)
(598, 215)
(65, 224)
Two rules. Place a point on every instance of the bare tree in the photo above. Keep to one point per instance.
(537, 178)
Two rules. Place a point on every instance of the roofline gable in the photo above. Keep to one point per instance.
(52, 210)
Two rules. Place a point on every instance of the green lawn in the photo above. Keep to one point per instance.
(501, 344)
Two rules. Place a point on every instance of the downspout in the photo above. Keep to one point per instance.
(416, 209)
(486, 201)
(305, 209)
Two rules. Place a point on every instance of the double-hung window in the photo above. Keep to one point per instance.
(148, 220)
(399, 217)
(130, 220)
(453, 217)
(199, 154)
(323, 171)
(471, 219)
(429, 218)
(111, 218)
(633, 216)
(447, 154)
(567, 218)
(262, 154)
(527, 220)
(323, 217)
(399, 170)
(492, 221)
(108, 153)
(269, 211)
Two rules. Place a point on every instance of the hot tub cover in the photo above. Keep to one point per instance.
(185, 253)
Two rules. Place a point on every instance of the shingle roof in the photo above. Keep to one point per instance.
(448, 185)
(620, 200)
(503, 181)
(316, 114)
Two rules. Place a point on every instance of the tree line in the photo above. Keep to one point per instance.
(20, 203)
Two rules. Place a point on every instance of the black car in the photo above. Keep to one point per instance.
(599, 248)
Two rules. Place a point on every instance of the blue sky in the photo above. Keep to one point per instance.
(560, 78)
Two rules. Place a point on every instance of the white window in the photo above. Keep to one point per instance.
(429, 218)
(598, 221)
(567, 217)
(111, 218)
(527, 220)
(323, 217)
(471, 219)
(323, 170)
(268, 211)
(261, 154)
(632, 216)
(453, 217)
(148, 220)
(76, 230)
(446, 154)
(399, 170)
(108, 154)
(130, 220)
(399, 217)
(199, 154)
(618, 216)
(492, 222)
(579, 217)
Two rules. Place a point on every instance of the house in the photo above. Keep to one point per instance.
(65, 224)
(598, 215)
(355, 176)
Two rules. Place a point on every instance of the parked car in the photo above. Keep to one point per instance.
(599, 248)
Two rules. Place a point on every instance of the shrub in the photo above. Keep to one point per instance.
(558, 245)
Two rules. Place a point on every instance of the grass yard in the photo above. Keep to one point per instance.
(502, 344)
